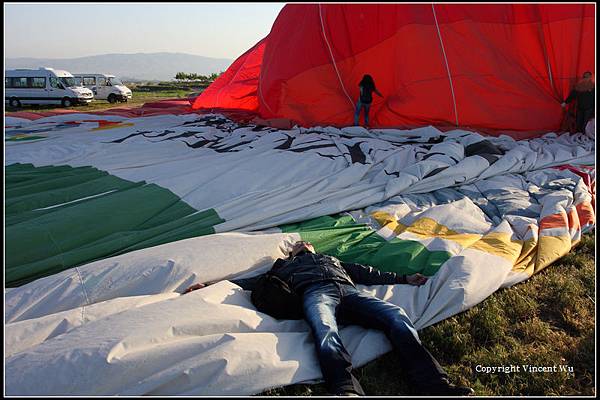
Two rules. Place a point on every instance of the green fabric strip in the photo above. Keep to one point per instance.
(340, 236)
(91, 215)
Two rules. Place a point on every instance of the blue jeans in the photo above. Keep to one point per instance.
(327, 303)
(359, 105)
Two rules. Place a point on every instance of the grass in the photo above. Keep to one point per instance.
(547, 320)
(138, 98)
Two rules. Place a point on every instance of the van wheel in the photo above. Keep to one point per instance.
(14, 103)
(112, 98)
(66, 102)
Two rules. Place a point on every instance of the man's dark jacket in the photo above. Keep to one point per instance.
(585, 99)
(307, 268)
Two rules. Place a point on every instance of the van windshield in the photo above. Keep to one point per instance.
(115, 81)
(68, 81)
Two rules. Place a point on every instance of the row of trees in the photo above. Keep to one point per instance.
(184, 76)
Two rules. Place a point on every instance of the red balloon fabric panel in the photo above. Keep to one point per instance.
(489, 67)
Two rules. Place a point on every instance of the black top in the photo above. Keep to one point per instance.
(585, 99)
(366, 93)
(307, 268)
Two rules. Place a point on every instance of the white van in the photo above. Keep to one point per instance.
(43, 86)
(105, 87)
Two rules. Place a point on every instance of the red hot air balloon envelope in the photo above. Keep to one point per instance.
(493, 68)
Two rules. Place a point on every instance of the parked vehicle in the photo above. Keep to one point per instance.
(43, 86)
(105, 87)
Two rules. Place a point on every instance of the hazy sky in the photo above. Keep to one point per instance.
(221, 30)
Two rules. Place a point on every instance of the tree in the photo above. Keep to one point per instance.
(180, 76)
(192, 76)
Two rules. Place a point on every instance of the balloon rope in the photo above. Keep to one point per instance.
(544, 46)
(333, 59)
(446, 60)
(87, 299)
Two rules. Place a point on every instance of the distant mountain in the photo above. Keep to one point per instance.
(131, 67)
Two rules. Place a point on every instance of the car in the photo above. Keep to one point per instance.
(43, 86)
(104, 86)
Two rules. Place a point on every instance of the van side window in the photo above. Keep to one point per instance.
(89, 81)
(101, 81)
(38, 83)
(54, 82)
(18, 82)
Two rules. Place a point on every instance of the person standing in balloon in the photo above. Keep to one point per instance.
(584, 94)
(367, 87)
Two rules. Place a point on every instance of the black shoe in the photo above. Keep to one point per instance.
(347, 393)
(444, 388)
